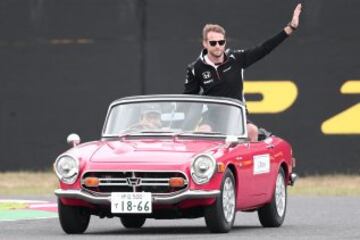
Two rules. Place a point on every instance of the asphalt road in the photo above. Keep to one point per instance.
(307, 218)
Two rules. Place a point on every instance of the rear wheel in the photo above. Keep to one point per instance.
(273, 213)
(73, 220)
(220, 216)
(132, 221)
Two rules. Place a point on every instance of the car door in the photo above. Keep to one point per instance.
(253, 162)
(254, 165)
(262, 168)
(243, 162)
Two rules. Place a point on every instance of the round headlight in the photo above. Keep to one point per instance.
(67, 168)
(203, 168)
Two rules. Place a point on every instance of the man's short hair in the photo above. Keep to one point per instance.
(212, 28)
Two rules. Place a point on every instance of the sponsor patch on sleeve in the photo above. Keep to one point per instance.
(261, 164)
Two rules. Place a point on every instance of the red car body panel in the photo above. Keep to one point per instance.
(168, 154)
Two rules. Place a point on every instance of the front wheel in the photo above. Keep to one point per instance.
(273, 213)
(132, 221)
(220, 216)
(73, 220)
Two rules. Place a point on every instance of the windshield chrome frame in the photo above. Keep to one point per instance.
(166, 98)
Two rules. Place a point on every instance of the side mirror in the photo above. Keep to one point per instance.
(73, 139)
(231, 141)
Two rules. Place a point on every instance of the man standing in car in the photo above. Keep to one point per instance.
(219, 72)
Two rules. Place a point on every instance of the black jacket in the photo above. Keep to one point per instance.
(227, 79)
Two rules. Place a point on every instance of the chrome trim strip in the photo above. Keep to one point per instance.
(137, 185)
(154, 184)
(131, 170)
(112, 179)
(115, 184)
(182, 98)
(143, 182)
(143, 179)
(156, 179)
(169, 199)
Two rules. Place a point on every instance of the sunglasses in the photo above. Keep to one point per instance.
(213, 43)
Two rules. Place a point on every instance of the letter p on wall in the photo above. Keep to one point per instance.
(277, 96)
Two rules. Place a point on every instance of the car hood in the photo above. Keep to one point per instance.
(152, 151)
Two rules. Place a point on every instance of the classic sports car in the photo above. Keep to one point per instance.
(174, 156)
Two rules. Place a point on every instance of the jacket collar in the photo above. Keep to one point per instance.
(204, 52)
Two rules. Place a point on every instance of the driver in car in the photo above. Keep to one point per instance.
(204, 127)
(150, 119)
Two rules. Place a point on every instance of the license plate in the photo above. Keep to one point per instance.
(131, 202)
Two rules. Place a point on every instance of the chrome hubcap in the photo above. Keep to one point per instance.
(228, 200)
(280, 195)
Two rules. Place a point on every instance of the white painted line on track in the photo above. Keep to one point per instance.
(27, 219)
(21, 201)
(49, 205)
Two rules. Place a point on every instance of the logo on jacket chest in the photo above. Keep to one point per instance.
(207, 78)
(206, 75)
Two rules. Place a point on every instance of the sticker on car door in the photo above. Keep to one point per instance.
(261, 164)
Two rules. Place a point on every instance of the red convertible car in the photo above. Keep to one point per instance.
(174, 156)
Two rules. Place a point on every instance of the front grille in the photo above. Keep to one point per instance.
(128, 181)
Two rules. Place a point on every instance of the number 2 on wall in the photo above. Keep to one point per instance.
(278, 96)
(347, 121)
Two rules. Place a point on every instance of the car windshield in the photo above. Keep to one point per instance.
(169, 117)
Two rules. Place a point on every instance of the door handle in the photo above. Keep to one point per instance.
(270, 146)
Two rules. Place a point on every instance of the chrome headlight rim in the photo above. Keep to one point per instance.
(202, 179)
(71, 179)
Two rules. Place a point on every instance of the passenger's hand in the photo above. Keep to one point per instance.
(296, 16)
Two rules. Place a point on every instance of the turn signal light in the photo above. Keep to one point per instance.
(91, 182)
(221, 167)
(176, 182)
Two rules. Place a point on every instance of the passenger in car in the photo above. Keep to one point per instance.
(220, 72)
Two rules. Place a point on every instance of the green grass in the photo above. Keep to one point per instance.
(28, 183)
(327, 185)
(44, 183)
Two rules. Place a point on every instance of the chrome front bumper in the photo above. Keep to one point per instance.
(189, 194)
